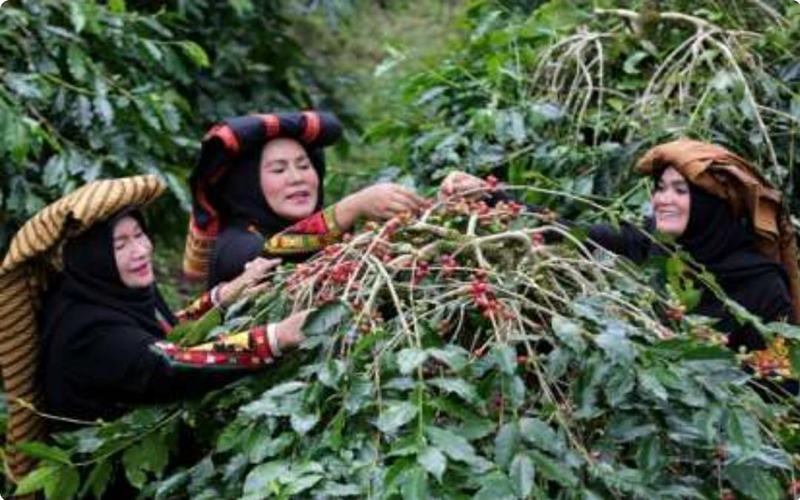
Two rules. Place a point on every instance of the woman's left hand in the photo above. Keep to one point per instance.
(249, 283)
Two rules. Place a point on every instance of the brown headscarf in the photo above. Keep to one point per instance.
(728, 176)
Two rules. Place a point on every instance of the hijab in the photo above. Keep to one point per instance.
(722, 242)
(91, 284)
(244, 201)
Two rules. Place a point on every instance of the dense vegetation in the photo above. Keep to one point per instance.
(469, 360)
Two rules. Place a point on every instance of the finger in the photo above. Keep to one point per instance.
(410, 200)
(257, 289)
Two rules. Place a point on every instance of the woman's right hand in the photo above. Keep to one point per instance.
(463, 184)
(379, 202)
(249, 283)
(289, 331)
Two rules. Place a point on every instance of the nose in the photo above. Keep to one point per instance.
(295, 176)
(662, 197)
(141, 248)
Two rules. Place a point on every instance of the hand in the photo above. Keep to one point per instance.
(381, 202)
(463, 184)
(249, 283)
(290, 331)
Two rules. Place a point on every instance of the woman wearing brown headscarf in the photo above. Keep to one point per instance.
(726, 216)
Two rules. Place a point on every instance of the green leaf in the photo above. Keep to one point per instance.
(619, 385)
(754, 483)
(395, 415)
(569, 332)
(495, 486)
(332, 372)
(458, 386)
(456, 447)
(76, 62)
(784, 330)
(555, 471)
(614, 341)
(505, 444)
(409, 359)
(117, 6)
(521, 473)
(631, 63)
(540, 434)
(742, 429)
(454, 356)
(433, 461)
(63, 485)
(325, 319)
(302, 484)
(196, 53)
(98, 479)
(37, 479)
(415, 485)
(266, 446)
(650, 385)
(42, 451)
(303, 422)
(77, 16)
(505, 358)
(264, 478)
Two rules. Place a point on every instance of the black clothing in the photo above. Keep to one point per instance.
(98, 334)
(724, 245)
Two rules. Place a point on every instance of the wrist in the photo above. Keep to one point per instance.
(273, 341)
(218, 297)
(346, 212)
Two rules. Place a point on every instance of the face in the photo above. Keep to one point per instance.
(671, 203)
(132, 253)
(288, 180)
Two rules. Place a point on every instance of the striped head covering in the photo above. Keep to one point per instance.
(34, 253)
(227, 149)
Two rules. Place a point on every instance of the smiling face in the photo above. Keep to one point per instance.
(288, 179)
(671, 203)
(133, 252)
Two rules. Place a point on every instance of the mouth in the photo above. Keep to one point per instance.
(299, 197)
(142, 270)
(667, 214)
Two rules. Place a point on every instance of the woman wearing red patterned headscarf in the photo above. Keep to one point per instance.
(258, 190)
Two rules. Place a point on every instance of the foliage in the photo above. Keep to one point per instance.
(457, 354)
(569, 93)
(102, 89)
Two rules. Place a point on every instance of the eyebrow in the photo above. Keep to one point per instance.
(284, 161)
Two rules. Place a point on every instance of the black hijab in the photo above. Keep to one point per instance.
(91, 284)
(722, 242)
(243, 199)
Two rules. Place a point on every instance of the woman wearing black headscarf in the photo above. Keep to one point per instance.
(104, 327)
(708, 229)
(258, 190)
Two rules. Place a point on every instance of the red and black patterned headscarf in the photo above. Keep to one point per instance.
(225, 183)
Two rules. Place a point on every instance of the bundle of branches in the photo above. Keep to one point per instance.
(462, 353)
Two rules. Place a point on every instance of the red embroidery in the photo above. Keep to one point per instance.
(314, 224)
(196, 309)
(256, 354)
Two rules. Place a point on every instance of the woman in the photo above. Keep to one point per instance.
(258, 190)
(104, 327)
(746, 248)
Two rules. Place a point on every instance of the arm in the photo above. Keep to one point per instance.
(307, 236)
(128, 365)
